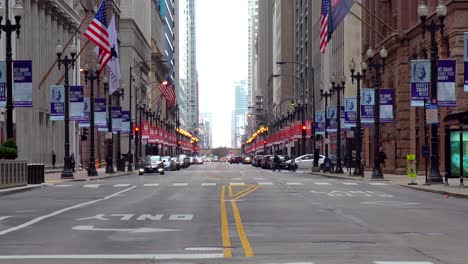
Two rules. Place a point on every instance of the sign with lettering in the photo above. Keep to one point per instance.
(76, 103)
(386, 105)
(22, 86)
(367, 105)
(57, 102)
(420, 81)
(446, 83)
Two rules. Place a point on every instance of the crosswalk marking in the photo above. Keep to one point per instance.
(237, 183)
(402, 262)
(180, 184)
(322, 183)
(122, 185)
(92, 185)
(377, 183)
(237, 178)
(151, 184)
(62, 185)
(265, 183)
(208, 184)
(294, 183)
(349, 183)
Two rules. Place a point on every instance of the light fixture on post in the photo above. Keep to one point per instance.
(423, 11)
(326, 95)
(337, 88)
(358, 169)
(109, 137)
(377, 65)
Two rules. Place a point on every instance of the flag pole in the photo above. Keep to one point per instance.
(367, 24)
(378, 18)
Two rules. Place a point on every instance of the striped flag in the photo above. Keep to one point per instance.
(98, 34)
(168, 92)
(324, 25)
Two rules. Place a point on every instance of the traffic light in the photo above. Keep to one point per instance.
(304, 127)
(179, 143)
(84, 134)
(264, 142)
(136, 130)
(196, 148)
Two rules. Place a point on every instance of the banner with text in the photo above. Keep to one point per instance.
(465, 56)
(57, 102)
(125, 122)
(332, 119)
(86, 110)
(320, 123)
(2, 84)
(420, 81)
(76, 103)
(22, 86)
(386, 105)
(367, 105)
(100, 113)
(116, 119)
(446, 83)
(350, 113)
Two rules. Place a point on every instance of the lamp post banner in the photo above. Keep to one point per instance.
(465, 59)
(57, 102)
(125, 122)
(332, 119)
(367, 105)
(76, 103)
(22, 86)
(116, 118)
(2, 83)
(446, 83)
(420, 81)
(86, 108)
(320, 123)
(350, 112)
(145, 130)
(386, 105)
(100, 113)
(342, 119)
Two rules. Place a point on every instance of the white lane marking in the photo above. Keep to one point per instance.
(40, 218)
(237, 183)
(62, 185)
(294, 183)
(402, 262)
(208, 184)
(349, 183)
(204, 249)
(122, 185)
(265, 183)
(129, 230)
(184, 217)
(119, 256)
(259, 178)
(377, 183)
(91, 185)
(151, 184)
(180, 184)
(236, 179)
(322, 183)
(4, 217)
(395, 203)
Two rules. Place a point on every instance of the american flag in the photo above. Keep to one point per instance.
(324, 25)
(168, 92)
(98, 34)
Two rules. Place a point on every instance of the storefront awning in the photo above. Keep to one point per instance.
(461, 117)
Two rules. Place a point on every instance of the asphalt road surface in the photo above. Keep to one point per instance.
(221, 213)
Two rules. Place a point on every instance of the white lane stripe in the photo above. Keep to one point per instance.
(237, 183)
(208, 184)
(402, 262)
(122, 185)
(92, 185)
(180, 184)
(322, 183)
(118, 256)
(265, 183)
(236, 179)
(40, 218)
(62, 185)
(349, 183)
(294, 183)
(151, 184)
(377, 183)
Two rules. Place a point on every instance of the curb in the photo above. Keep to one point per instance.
(332, 176)
(457, 195)
(105, 177)
(25, 188)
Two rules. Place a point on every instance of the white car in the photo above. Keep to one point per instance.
(307, 161)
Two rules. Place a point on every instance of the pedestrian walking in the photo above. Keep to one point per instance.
(72, 158)
(382, 157)
(292, 166)
(54, 158)
(276, 162)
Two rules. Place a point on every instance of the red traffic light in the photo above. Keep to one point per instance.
(304, 127)
(196, 148)
(179, 142)
(137, 129)
(264, 141)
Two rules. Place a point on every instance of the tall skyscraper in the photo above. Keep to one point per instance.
(240, 112)
(252, 35)
(205, 130)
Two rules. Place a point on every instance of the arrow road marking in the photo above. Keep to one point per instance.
(129, 230)
(4, 217)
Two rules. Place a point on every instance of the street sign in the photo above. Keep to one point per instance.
(425, 151)
(411, 167)
(431, 114)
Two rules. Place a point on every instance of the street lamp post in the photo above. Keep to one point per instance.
(92, 75)
(423, 10)
(326, 95)
(67, 172)
(139, 145)
(110, 141)
(338, 89)
(358, 77)
(376, 65)
(119, 93)
(8, 28)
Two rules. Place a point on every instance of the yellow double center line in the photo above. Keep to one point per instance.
(248, 252)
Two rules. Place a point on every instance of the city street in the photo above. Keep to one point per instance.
(222, 213)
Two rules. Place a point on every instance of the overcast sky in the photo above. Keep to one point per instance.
(221, 28)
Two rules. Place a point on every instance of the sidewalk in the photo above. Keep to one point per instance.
(452, 190)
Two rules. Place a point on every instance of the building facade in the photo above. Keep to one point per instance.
(251, 31)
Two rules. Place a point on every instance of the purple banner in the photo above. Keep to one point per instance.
(125, 122)
(86, 109)
(116, 119)
(446, 83)
(350, 112)
(22, 86)
(2, 83)
(386, 105)
(367, 105)
(320, 123)
(76, 103)
(420, 81)
(332, 119)
(100, 113)
(57, 102)
(465, 86)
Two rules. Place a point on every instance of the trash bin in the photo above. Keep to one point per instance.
(327, 165)
(121, 164)
(36, 173)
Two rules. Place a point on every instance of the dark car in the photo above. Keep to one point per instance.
(176, 161)
(257, 161)
(236, 160)
(265, 162)
(151, 164)
(184, 161)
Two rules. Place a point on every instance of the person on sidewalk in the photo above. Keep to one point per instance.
(382, 157)
(54, 159)
(276, 163)
(73, 162)
(292, 166)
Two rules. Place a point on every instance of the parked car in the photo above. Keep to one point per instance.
(197, 160)
(215, 159)
(306, 161)
(223, 159)
(184, 160)
(191, 160)
(257, 161)
(176, 162)
(265, 162)
(151, 164)
(236, 159)
(169, 165)
(247, 160)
